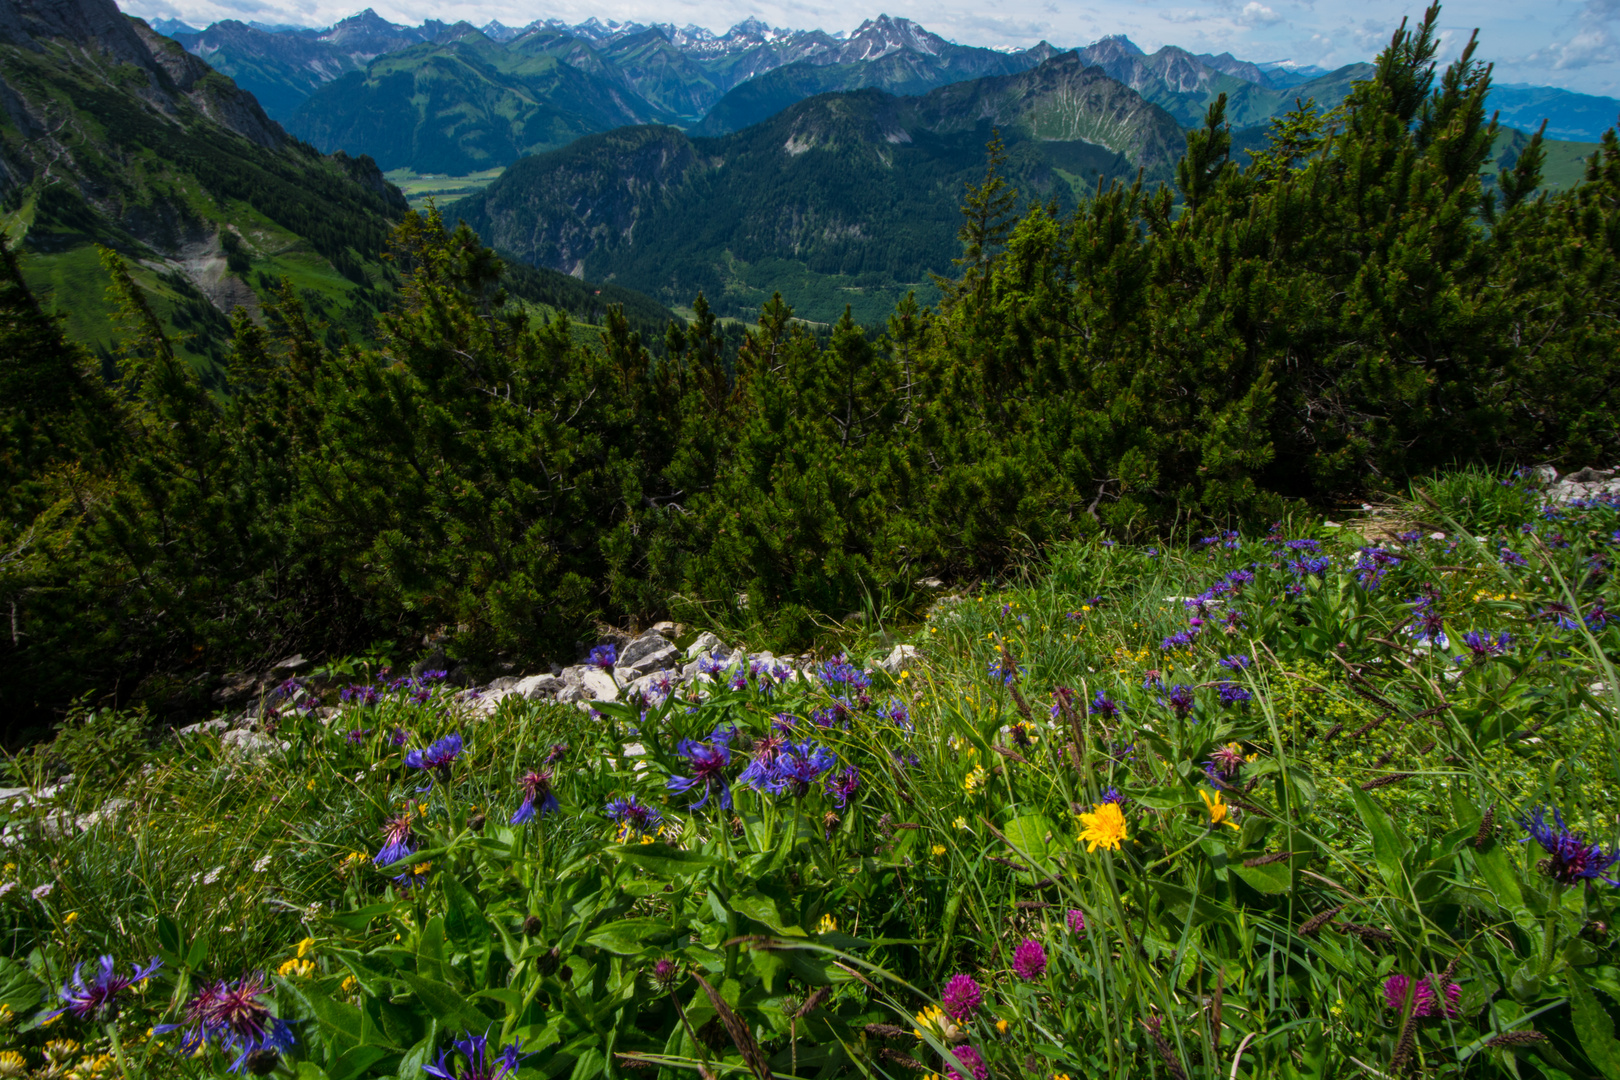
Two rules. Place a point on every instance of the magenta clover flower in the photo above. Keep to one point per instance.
(1076, 920)
(962, 998)
(969, 1064)
(1029, 960)
(1425, 1002)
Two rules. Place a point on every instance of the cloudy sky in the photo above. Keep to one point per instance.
(1569, 43)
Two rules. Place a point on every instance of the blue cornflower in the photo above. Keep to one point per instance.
(1313, 546)
(475, 1065)
(1104, 706)
(604, 657)
(231, 1015)
(1179, 640)
(1513, 558)
(1598, 615)
(1112, 795)
(798, 766)
(1427, 625)
(1308, 567)
(537, 796)
(97, 1000)
(356, 736)
(708, 771)
(1372, 563)
(1180, 699)
(841, 671)
(398, 842)
(437, 756)
(1239, 578)
(360, 695)
(637, 819)
(739, 679)
(711, 664)
(1237, 662)
(897, 714)
(1572, 859)
(1411, 536)
(1152, 552)
(412, 877)
(1484, 646)
(1233, 694)
(1005, 668)
(1561, 614)
(841, 785)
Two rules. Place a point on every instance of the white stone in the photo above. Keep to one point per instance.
(705, 641)
(598, 685)
(899, 658)
(531, 687)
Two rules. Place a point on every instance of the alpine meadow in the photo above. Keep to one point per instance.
(801, 556)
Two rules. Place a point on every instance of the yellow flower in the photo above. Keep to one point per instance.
(350, 985)
(905, 675)
(827, 925)
(1002, 1026)
(1060, 1076)
(1217, 809)
(70, 918)
(12, 1064)
(960, 823)
(61, 1049)
(1104, 826)
(421, 868)
(937, 850)
(311, 785)
(296, 969)
(6, 1015)
(975, 779)
(933, 1021)
(306, 947)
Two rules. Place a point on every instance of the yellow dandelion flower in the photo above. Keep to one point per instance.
(6, 1015)
(1217, 810)
(1002, 1027)
(1104, 826)
(421, 868)
(937, 850)
(827, 925)
(12, 1064)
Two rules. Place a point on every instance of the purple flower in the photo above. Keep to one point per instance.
(1180, 699)
(708, 771)
(637, 818)
(1570, 858)
(98, 999)
(398, 843)
(1597, 616)
(1235, 663)
(970, 1063)
(436, 757)
(1112, 794)
(1005, 668)
(1561, 614)
(1307, 567)
(359, 695)
(1233, 694)
(1313, 546)
(841, 785)
(841, 672)
(1427, 625)
(604, 657)
(739, 679)
(474, 1050)
(399, 738)
(1372, 564)
(1227, 760)
(1425, 1002)
(356, 736)
(536, 790)
(897, 714)
(1179, 640)
(1029, 960)
(1485, 646)
(231, 1015)
(711, 664)
(1076, 920)
(1513, 558)
(1152, 552)
(1104, 707)
(962, 998)
(798, 767)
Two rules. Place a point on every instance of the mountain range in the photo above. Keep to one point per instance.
(458, 99)
(850, 198)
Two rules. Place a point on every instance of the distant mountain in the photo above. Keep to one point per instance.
(464, 104)
(114, 135)
(843, 198)
(1570, 116)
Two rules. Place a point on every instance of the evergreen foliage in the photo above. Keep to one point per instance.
(1349, 309)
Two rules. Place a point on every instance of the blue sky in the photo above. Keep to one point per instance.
(1569, 43)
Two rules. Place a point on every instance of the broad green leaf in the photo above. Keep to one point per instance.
(1029, 835)
(339, 1021)
(445, 1003)
(1593, 1027)
(1389, 848)
(662, 859)
(351, 1063)
(1270, 878)
(629, 937)
(764, 909)
(359, 918)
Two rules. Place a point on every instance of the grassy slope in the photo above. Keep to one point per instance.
(1362, 769)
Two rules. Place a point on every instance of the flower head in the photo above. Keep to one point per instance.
(1075, 920)
(1029, 960)
(475, 1065)
(1233, 694)
(97, 999)
(231, 1015)
(537, 795)
(962, 997)
(1103, 827)
(636, 819)
(842, 784)
(1180, 698)
(398, 842)
(969, 1064)
(1570, 858)
(1425, 1002)
(1484, 646)
(604, 657)
(436, 757)
(1218, 809)
(1227, 760)
(708, 765)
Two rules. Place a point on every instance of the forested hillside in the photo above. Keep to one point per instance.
(1345, 310)
(844, 199)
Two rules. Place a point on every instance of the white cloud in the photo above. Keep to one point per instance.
(1255, 13)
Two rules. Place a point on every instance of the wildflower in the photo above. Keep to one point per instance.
(1571, 859)
(40, 892)
(1104, 827)
(664, 974)
(826, 925)
(708, 770)
(841, 672)
(604, 657)
(1309, 567)
(360, 695)
(1218, 809)
(1233, 694)
(1597, 616)
(841, 785)
(555, 754)
(1240, 662)
(739, 679)
(12, 1065)
(536, 789)
(798, 767)
(961, 823)
(98, 998)
(711, 664)
(1103, 706)
(296, 968)
(1005, 668)
(1181, 639)
(413, 877)
(1076, 920)
(962, 997)
(933, 1021)
(1180, 698)
(1427, 625)
(1425, 1002)
(975, 780)
(436, 757)
(1512, 558)
(1561, 614)
(637, 819)
(399, 738)
(1112, 795)
(398, 843)
(937, 850)
(897, 714)
(475, 1064)
(1152, 552)
(970, 1063)
(1227, 759)
(231, 1015)
(1029, 960)
(1485, 646)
